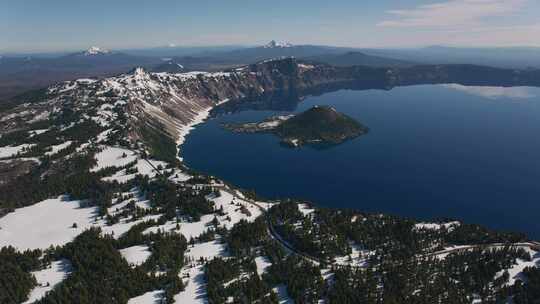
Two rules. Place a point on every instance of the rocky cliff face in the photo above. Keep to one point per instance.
(169, 103)
(165, 101)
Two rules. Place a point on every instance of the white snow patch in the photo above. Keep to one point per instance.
(144, 167)
(50, 222)
(262, 263)
(188, 229)
(305, 209)
(94, 50)
(208, 250)
(435, 226)
(306, 66)
(179, 176)
(136, 255)
(57, 148)
(358, 256)
(273, 44)
(151, 297)
(134, 196)
(48, 278)
(41, 116)
(232, 206)
(46, 223)
(516, 271)
(82, 147)
(117, 230)
(37, 132)
(86, 80)
(103, 136)
(10, 151)
(195, 290)
(113, 157)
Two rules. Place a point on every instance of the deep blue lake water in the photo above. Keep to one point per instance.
(433, 151)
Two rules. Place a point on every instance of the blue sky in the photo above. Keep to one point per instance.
(48, 25)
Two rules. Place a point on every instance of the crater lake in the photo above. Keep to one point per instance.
(433, 151)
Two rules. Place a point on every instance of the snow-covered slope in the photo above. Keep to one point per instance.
(274, 44)
(94, 50)
(169, 103)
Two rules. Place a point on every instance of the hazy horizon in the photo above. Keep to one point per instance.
(232, 46)
(63, 25)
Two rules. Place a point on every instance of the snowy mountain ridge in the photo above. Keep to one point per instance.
(274, 44)
(94, 50)
(167, 102)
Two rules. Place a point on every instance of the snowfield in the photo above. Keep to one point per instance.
(144, 167)
(10, 151)
(50, 222)
(305, 209)
(208, 250)
(134, 195)
(262, 263)
(358, 257)
(136, 255)
(434, 226)
(195, 290)
(32, 133)
(232, 207)
(46, 223)
(179, 176)
(117, 230)
(516, 271)
(57, 148)
(188, 229)
(103, 136)
(48, 278)
(113, 157)
(151, 297)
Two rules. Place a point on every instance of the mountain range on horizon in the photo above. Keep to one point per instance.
(20, 73)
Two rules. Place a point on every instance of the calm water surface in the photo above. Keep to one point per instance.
(470, 153)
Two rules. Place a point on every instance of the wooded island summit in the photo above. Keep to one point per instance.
(320, 125)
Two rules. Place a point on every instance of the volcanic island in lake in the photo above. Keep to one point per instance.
(320, 125)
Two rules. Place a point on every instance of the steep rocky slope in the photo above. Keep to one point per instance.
(168, 104)
(164, 102)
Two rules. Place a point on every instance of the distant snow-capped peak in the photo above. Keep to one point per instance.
(273, 44)
(94, 50)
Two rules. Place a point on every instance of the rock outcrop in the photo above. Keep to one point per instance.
(171, 102)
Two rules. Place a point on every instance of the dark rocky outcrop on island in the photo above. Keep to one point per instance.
(320, 125)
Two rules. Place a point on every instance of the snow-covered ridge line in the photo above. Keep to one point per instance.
(170, 103)
(274, 44)
(179, 101)
(94, 50)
